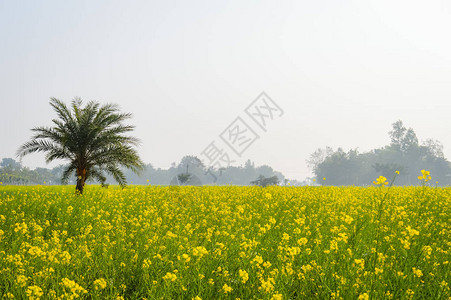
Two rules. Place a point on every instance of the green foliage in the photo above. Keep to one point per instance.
(404, 154)
(183, 178)
(264, 182)
(91, 138)
(13, 173)
(149, 175)
(227, 175)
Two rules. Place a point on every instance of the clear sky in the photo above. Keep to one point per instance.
(342, 71)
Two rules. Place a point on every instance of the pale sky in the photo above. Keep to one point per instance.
(342, 71)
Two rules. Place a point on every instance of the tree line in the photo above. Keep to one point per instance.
(404, 154)
(13, 172)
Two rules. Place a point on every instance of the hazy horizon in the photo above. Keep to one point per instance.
(342, 72)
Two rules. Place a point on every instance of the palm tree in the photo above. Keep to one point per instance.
(91, 138)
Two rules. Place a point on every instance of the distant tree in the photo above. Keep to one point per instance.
(403, 139)
(264, 170)
(318, 157)
(265, 181)
(249, 164)
(273, 180)
(397, 134)
(184, 178)
(190, 161)
(388, 169)
(10, 164)
(434, 148)
(91, 138)
(410, 141)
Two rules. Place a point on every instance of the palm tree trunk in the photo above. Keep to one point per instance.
(81, 178)
(80, 185)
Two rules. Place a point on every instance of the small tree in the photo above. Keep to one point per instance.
(183, 178)
(265, 181)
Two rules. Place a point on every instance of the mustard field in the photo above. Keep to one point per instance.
(146, 242)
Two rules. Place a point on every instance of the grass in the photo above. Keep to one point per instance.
(225, 243)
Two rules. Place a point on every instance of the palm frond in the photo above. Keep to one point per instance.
(97, 174)
(61, 109)
(36, 146)
(117, 174)
(68, 171)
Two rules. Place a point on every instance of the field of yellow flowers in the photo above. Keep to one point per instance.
(146, 242)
